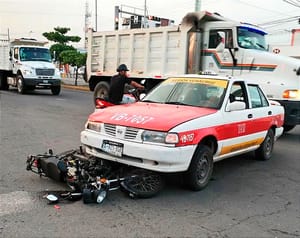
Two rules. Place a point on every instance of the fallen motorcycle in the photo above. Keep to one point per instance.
(91, 178)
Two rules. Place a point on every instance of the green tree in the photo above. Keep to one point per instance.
(61, 41)
(73, 58)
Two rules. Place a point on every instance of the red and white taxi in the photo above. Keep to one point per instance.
(186, 124)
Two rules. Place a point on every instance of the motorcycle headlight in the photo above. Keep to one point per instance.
(160, 137)
(94, 126)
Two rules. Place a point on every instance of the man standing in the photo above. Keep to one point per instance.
(117, 84)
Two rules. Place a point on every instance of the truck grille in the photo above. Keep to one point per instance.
(45, 72)
(130, 132)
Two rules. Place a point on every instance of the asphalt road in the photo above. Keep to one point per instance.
(246, 198)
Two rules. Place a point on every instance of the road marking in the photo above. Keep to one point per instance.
(14, 202)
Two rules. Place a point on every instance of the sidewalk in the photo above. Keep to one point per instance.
(70, 83)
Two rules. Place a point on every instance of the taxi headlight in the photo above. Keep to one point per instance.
(94, 126)
(160, 137)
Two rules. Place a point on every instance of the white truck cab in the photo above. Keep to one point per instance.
(27, 65)
(244, 53)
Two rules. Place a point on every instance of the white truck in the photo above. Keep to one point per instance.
(26, 64)
(202, 42)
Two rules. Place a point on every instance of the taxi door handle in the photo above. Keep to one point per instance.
(250, 115)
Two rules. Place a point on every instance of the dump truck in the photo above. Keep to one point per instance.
(203, 41)
(26, 64)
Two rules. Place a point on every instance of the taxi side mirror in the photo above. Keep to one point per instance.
(235, 106)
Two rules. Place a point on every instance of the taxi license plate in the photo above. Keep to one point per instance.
(113, 148)
(45, 81)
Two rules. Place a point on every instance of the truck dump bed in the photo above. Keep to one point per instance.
(4, 52)
(148, 53)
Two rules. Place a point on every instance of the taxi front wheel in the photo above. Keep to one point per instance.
(200, 169)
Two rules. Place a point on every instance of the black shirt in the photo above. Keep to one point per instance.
(117, 85)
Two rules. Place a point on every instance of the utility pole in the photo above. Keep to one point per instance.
(117, 17)
(197, 5)
(96, 15)
(86, 23)
(145, 14)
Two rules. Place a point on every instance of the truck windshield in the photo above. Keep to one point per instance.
(34, 54)
(251, 38)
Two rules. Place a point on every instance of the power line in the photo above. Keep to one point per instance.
(295, 3)
(280, 21)
(258, 7)
(268, 9)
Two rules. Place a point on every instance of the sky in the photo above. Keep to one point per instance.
(30, 18)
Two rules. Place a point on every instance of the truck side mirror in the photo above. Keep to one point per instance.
(10, 55)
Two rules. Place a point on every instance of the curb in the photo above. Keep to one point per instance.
(81, 88)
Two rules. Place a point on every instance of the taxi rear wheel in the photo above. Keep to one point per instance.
(200, 169)
(264, 152)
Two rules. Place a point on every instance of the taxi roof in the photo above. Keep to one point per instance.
(208, 76)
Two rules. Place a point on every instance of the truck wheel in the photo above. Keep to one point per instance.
(264, 152)
(55, 90)
(30, 88)
(101, 90)
(287, 128)
(3, 82)
(200, 169)
(20, 84)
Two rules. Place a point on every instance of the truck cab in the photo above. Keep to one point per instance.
(241, 50)
(29, 66)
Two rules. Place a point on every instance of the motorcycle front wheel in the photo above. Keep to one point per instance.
(143, 183)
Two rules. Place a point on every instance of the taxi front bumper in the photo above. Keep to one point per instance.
(147, 156)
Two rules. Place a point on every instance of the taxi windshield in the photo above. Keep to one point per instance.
(200, 92)
(251, 38)
(34, 54)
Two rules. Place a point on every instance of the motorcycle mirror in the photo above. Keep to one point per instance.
(52, 198)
